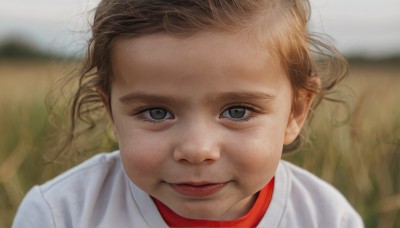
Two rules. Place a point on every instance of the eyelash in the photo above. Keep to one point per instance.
(141, 114)
(144, 115)
(249, 112)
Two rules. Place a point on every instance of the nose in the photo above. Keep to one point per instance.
(198, 143)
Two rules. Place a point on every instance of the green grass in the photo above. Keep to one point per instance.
(359, 156)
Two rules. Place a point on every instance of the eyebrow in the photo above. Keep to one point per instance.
(227, 96)
(145, 97)
(244, 96)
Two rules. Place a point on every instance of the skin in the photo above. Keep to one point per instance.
(208, 114)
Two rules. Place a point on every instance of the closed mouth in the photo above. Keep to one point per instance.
(198, 189)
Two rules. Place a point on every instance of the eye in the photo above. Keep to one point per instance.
(155, 114)
(236, 113)
(158, 114)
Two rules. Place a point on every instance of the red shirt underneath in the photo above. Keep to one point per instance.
(251, 219)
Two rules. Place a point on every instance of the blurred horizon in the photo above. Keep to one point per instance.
(359, 28)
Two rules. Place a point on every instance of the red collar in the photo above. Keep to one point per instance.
(251, 219)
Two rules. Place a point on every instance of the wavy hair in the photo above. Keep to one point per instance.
(281, 24)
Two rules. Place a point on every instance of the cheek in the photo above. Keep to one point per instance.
(143, 155)
(257, 154)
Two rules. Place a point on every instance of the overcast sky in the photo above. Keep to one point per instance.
(358, 26)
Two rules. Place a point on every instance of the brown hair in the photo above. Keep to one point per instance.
(282, 24)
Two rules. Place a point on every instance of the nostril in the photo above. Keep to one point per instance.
(196, 155)
(195, 144)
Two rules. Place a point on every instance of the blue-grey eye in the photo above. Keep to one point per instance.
(158, 113)
(235, 113)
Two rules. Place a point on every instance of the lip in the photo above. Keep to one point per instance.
(199, 189)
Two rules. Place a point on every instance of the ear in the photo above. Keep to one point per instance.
(298, 116)
(106, 101)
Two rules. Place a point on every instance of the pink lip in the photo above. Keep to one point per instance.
(198, 189)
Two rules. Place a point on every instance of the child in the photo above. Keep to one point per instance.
(203, 95)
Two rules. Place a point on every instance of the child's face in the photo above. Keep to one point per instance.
(201, 121)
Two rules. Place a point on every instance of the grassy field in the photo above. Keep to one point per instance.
(355, 149)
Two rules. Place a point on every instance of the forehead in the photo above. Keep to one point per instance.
(195, 68)
(204, 65)
(215, 50)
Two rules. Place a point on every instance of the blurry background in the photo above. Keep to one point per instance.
(360, 27)
(358, 150)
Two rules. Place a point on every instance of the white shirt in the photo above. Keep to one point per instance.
(98, 193)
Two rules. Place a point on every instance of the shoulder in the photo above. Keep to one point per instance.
(95, 193)
(316, 202)
(103, 167)
(305, 182)
(304, 200)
